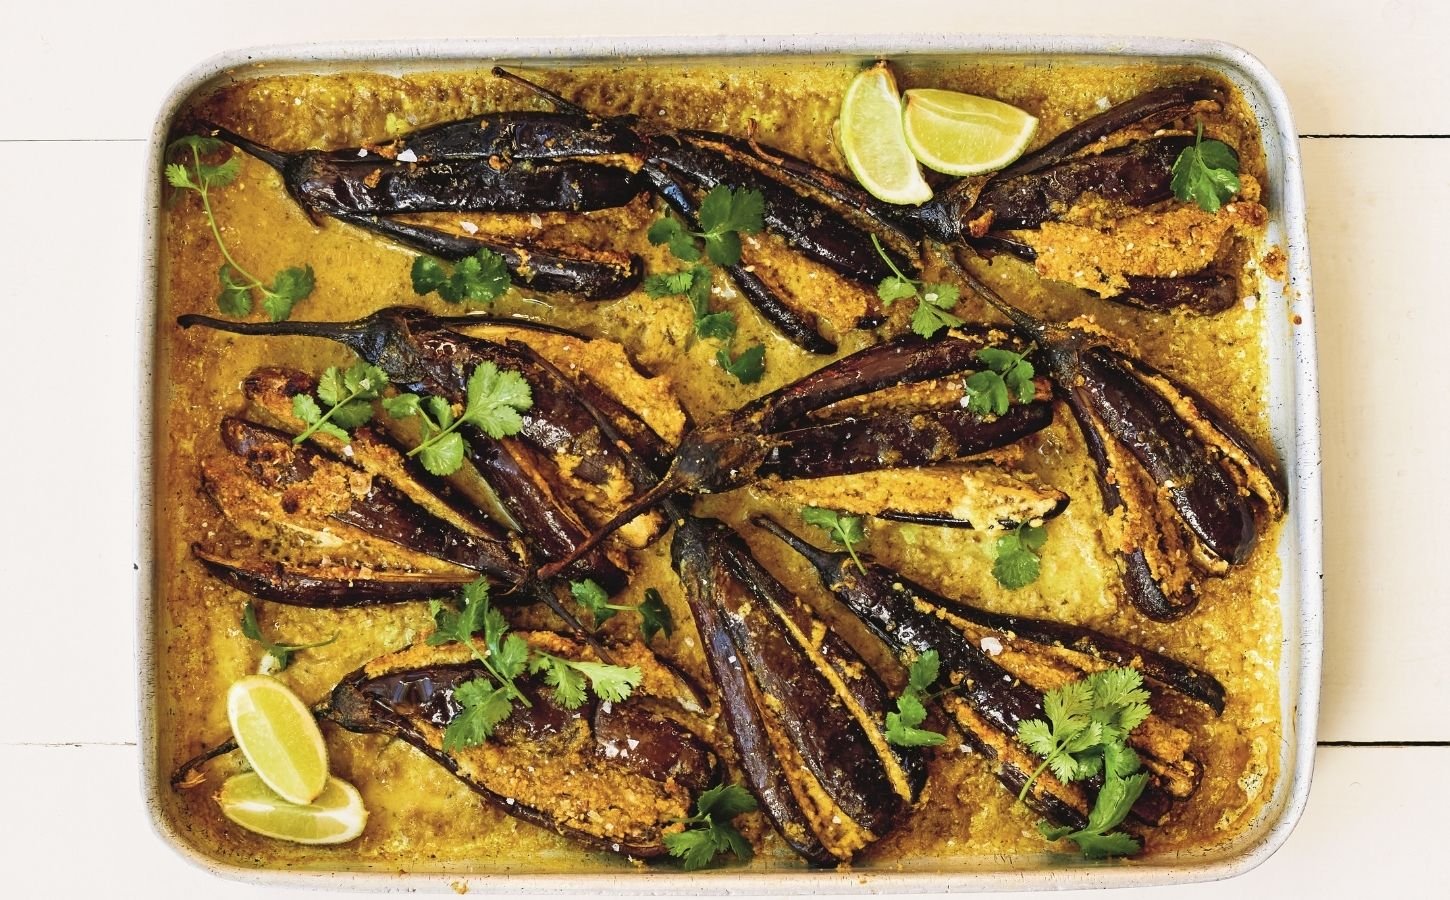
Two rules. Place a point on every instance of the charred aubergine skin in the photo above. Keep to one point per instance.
(912, 619)
(805, 713)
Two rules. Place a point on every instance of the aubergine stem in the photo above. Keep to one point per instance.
(558, 102)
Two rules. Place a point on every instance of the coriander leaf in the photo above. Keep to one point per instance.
(484, 707)
(893, 288)
(928, 319)
(1017, 564)
(568, 684)
(1085, 735)
(428, 275)
(495, 400)
(219, 175)
(924, 671)
(401, 406)
(910, 711)
(280, 654)
(352, 413)
(511, 656)
(655, 616)
(723, 249)
(1096, 846)
(441, 411)
(697, 848)
(902, 735)
(480, 278)
(444, 456)
(591, 596)
(726, 801)
(610, 683)
(306, 409)
(237, 284)
(234, 300)
(288, 286)
(709, 831)
(669, 284)
(683, 247)
(848, 531)
(1206, 173)
(178, 177)
(698, 292)
(330, 389)
(986, 394)
(748, 367)
(718, 326)
(663, 230)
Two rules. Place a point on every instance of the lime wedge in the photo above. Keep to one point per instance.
(337, 815)
(279, 737)
(962, 134)
(873, 142)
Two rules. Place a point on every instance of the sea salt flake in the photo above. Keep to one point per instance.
(991, 646)
(469, 227)
(362, 152)
(408, 156)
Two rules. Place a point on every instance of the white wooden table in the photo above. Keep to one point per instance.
(1370, 88)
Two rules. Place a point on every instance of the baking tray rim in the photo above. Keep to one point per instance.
(1301, 647)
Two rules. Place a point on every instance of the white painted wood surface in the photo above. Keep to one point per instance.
(83, 82)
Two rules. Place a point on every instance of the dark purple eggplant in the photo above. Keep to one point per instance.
(752, 442)
(420, 353)
(502, 177)
(336, 586)
(308, 478)
(806, 716)
(614, 776)
(1136, 175)
(592, 274)
(991, 695)
(1044, 184)
(1158, 104)
(1191, 488)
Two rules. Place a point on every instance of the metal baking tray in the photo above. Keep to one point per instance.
(1293, 415)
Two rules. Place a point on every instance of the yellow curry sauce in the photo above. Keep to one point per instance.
(422, 818)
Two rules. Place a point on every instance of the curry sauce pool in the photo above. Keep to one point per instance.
(420, 820)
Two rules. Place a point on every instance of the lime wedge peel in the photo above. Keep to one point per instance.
(874, 142)
(962, 134)
(337, 814)
(279, 737)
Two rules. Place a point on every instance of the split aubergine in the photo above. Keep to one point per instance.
(616, 776)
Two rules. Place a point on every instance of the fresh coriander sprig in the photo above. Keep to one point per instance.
(709, 831)
(480, 278)
(279, 654)
(488, 701)
(1018, 562)
(237, 284)
(932, 300)
(848, 531)
(494, 400)
(1206, 173)
(1085, 734)
(349, 394)
(654, 616)
(1008, 377)
(694, 285)
(910, 711)
(724, 215)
